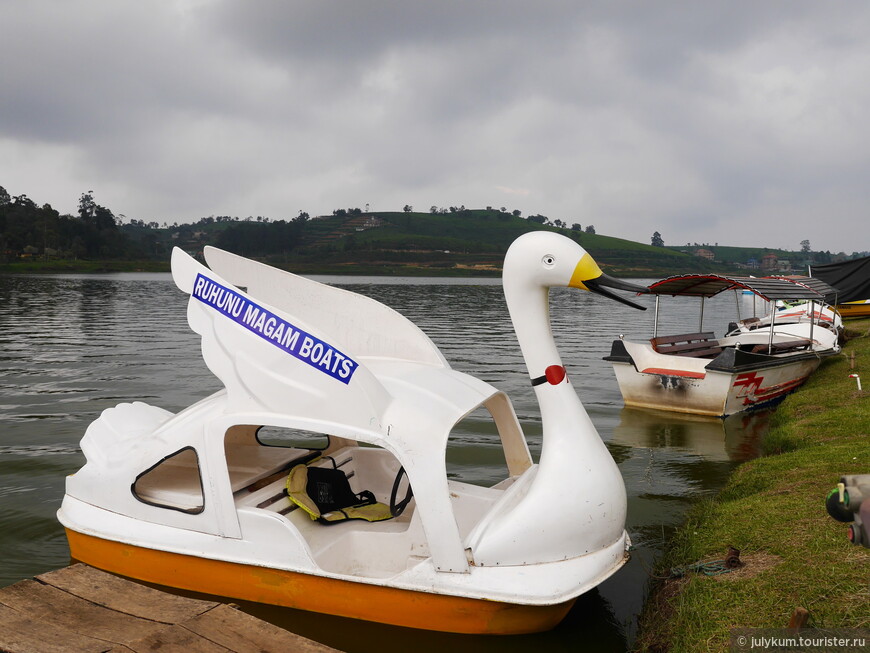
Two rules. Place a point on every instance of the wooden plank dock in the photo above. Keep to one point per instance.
(86, 610)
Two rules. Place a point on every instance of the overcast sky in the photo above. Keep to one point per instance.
(738, 123)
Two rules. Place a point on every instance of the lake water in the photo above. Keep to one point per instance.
(73, 345)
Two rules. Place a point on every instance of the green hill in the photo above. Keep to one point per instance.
(464, 242)
(456, 242)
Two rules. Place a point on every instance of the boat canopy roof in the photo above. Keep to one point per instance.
(824, 289)
(708, 285)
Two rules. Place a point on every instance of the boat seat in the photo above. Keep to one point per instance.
(783, 347)
(270, 492)
(325, 494)
(696, 345)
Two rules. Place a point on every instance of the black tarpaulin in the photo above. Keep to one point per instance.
(850, 278)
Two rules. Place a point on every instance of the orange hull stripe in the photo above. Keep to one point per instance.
(315, 593)
(666, 372)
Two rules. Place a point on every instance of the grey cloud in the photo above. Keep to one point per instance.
(700, 120)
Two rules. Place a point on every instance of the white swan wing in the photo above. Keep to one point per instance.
(365, 327)
(270, 359)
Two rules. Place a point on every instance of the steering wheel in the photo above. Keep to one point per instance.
(397, 509)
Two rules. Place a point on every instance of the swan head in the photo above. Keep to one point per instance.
(545, 259)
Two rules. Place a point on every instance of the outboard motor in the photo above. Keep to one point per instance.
(849, 502)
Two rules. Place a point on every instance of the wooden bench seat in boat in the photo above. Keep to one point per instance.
(269, 492)
(250, 463)
(696, 345)
(783, 347)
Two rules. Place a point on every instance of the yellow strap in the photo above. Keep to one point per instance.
(297, 480)
(371, 512)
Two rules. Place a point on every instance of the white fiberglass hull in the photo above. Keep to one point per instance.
(693, 385)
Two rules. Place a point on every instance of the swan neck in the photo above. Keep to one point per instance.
(529, 308)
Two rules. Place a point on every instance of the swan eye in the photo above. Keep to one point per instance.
(549, 260)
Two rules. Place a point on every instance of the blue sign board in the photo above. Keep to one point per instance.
(274, 329)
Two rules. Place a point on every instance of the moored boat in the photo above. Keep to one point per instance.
(855, 309)
(232, 496)
(701, 374)
(811, 319)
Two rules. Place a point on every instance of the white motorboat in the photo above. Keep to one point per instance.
(810, 314)
(369, 526)
(701, 374)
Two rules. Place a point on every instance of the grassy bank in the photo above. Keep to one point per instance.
(772, 510)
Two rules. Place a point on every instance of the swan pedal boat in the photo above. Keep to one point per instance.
(754, 366)
(198, 500)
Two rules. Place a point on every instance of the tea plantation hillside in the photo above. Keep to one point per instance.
(457, 241)
(463, 242)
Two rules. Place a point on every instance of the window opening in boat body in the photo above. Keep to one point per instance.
(261, 456)
(377, 549)
(174, 483)
(381, 548)
(276, 436)
(257, 455)
(475, 454)
(486, 453)
(285, 437)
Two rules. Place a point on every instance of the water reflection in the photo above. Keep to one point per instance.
(74, 345)
(736, 438)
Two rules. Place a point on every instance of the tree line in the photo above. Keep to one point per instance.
(30, 230)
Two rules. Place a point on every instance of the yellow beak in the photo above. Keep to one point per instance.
(585, 270)
(588, 276)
